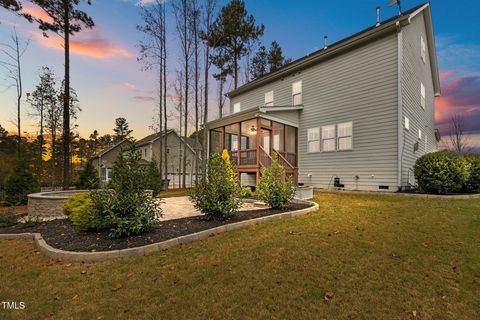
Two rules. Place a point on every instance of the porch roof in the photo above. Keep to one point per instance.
(260, 111)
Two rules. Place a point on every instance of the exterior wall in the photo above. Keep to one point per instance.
(174, 162)
(415, 71)
(359, 86)
(107, 159)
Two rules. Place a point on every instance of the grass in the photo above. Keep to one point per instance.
(381, 257)
(174, 193)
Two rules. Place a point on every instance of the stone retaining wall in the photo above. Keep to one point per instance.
(49, 204)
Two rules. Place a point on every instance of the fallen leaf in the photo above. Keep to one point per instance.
(83, 271)
(425, 244)
(414, 313)
(328, 296)
(75, 297)
(68, 265)
(118, 287)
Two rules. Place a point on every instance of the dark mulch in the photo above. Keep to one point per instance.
(62, 234)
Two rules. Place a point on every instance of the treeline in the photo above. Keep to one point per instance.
(222, 43)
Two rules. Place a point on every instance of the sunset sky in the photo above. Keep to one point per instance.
(110, 83)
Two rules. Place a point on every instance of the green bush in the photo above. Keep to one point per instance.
(20, 184)
(8, 219)
(125, 208)
(88, 178)
(441, 173)
(246, 192)
(152, 179)
(79, 208)
(473, 183)
(216, 195)
(273, 188)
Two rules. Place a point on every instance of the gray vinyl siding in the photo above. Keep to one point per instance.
(360, 86)
(415, 71)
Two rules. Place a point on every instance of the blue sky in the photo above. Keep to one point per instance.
(110, 84)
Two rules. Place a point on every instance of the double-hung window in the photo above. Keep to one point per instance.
(269, 99)
(297, 93)
(313, 140)
(328, 138)
(422, 95)
(423, 50)
(344, 136)
(236, 107)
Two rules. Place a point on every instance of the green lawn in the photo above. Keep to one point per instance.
(382, 257)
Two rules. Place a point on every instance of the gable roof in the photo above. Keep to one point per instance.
(110, 148)
(346, 44)
(152, 138)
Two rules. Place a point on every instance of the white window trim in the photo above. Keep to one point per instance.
(297, 92)
(317, 140)
(325, 139)
(269, 99)
(236, 107)
(346, 136)
(420, 134)
(407, 123)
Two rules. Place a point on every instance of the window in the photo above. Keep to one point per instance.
(146, 152)
(423, 50)
(419, 134)
(313, 140)
(103, 174)
(236, 107)
(407, 123)
(297, 93)
(269, 99)
(344, 133)
(422, 95)
(328, 138)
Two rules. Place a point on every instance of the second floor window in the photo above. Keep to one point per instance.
(297, 93)
(236, 107)
(328, 138)
(269, 99)
(313, 138)
(344, 136)
(423, 50)
(422, 95)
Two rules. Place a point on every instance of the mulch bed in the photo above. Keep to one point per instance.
(62, 234)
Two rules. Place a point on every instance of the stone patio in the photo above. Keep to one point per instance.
(182, 207)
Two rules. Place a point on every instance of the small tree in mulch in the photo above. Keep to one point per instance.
(152, 179)
(273, 187)
(20, 184)
(217, 194)
(88, 178)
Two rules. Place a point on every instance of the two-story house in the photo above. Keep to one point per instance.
(355, 114)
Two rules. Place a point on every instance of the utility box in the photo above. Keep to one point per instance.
(304, 193)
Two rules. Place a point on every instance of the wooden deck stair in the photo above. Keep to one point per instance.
(265, 160)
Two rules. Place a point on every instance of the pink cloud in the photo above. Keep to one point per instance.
(90, 44)
(144, 99)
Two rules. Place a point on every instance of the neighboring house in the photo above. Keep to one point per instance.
(149, 147)
(355, 114)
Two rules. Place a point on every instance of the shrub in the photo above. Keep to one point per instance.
(79, 208)
(125, 208)
(273, 188)
(152, 179)
(473, 183)
(246, 192)
(441, 173)
(20, 184)
(8, 219)
(88, 178)
(216, 195)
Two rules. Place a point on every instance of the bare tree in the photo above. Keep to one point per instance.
(210, 7)
(196, 46)
(184, 13)
(458, 139)
(152, 54)
(11, 63)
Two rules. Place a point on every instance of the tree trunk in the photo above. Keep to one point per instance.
(205, 113)
(19, 95)
(196, 91)
(185, 21)
(66, 101)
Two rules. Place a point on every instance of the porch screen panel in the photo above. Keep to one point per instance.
(215, 140)
(248, 142)
(278, 137)
(231, 141)
(291, 144)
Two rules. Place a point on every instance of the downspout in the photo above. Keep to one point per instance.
(400, 105)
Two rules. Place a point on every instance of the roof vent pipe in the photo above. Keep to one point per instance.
(378, 16)
(325, 42)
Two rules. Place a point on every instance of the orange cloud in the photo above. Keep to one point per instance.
(92, 46)
(37, 13)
